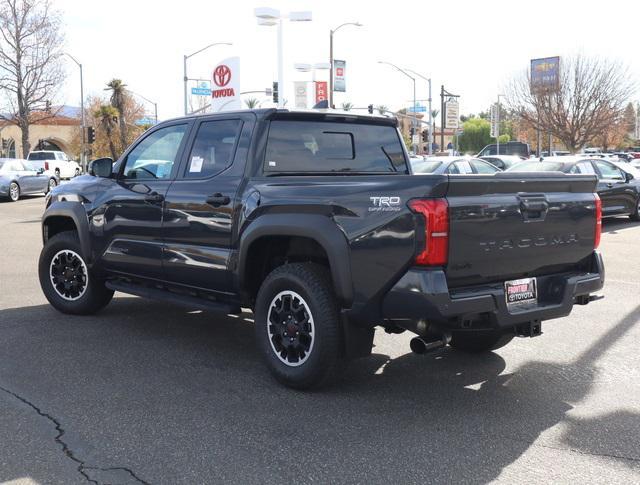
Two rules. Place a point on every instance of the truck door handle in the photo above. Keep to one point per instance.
(154, 197)
(216, 200)
(609, 185)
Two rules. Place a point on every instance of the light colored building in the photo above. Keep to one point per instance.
(56, 132)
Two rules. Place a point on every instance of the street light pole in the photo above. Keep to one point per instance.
(498, 125)
(269, 17)
(83, 155)
(280, 66)
(413, 118)
(429, 130)
(184, 69)
(155, 105)
(331, 32)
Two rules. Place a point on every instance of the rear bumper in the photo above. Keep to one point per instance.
(423, 294)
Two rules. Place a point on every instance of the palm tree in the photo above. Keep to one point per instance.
(382, 109)
(347, 106)
(118, 95)
(107, 116)
(251, 103)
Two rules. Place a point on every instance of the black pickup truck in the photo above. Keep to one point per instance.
(314, 221)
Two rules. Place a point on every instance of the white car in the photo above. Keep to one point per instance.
(55, 163)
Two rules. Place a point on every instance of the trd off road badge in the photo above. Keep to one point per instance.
(384, 204)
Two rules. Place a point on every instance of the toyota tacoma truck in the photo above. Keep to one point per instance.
(315, 223)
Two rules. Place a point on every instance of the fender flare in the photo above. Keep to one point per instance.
(320, 228)
(74, 211)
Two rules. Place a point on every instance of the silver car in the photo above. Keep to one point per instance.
(19, 177)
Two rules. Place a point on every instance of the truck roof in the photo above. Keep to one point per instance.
(303, 114)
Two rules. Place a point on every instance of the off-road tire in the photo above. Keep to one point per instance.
(94, 295)
(319, 366)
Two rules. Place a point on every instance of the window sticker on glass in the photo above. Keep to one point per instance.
(196, 164)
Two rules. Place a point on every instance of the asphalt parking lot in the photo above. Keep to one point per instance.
(145, 392)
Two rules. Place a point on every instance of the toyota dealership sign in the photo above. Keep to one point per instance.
(225, 85)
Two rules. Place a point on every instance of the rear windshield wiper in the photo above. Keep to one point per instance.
(393, 166)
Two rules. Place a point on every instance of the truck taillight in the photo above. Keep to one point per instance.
(598, 222)
(436, 224)
(46, 165)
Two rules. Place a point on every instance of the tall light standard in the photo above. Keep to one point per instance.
(430, 149)
(184, 67)
(498, 126)
(331, 32)
(83, 155)
(269, 17)
(155, 105)
(318, 66)
(413, 118)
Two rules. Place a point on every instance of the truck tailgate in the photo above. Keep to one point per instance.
(514, 225)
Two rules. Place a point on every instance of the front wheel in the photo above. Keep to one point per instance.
(65, 278)
(14, 192)
(51, 185)
(479, 341)
(297, 325)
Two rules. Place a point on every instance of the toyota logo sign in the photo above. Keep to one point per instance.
(222, 75)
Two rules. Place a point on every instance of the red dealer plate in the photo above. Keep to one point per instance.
(521, 292)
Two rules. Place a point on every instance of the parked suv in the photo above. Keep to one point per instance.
(55, 163)
(314, 221)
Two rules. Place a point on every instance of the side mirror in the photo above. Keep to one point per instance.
(628, 177)
(40, 171)
(101, 167)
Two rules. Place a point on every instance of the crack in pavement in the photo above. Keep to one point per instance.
(82, 468)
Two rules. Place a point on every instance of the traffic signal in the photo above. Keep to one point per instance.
(275, 92)
(91, 134)
(425, 135)
(370, 109)
(412, 131)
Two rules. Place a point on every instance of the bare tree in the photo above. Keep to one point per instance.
(591, 96)
(30, 70)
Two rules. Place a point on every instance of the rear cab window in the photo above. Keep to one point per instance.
(297, 146)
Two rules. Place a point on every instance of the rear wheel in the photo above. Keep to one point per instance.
(14, 192)
(298, 325)
(65, 278)
(480, 341)
(636, 215)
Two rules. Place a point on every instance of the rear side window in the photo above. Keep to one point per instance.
(304, 146)
(483, 167)
(213, 148)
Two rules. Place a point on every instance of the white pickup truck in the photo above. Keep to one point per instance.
(55, 163)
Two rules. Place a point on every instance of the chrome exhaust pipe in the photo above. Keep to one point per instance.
(422, 345)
